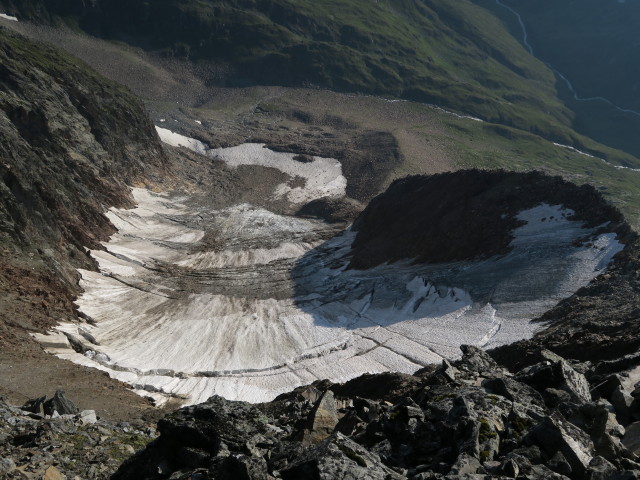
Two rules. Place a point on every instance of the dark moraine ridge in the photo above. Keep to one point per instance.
(466, 215)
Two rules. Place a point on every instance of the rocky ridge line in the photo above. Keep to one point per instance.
(71, 143)
(467, 419)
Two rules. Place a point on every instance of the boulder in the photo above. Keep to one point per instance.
(60, 404)
(555, 372)
(88, 417)
(237, 467)
(606, 433)
(543, 472)
(606, 387)
(558, 463)
(625, 475)
(338, 457)
(631, 439)
(52, 473)
(7, 466)
(349, 423)
(465, 464)
(511, 468)
(555, 434)
(35, 405)
(477, 360)
(600, 469)
(448, 371)
(514, 391)
(554, 397)
(622, 401)
(322, 420)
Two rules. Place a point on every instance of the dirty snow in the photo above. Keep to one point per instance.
(269, 308)
(322, 176)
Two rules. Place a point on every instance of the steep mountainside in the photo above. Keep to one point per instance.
(468, 55)
(594, 43)
(592, 47)
(454, 54)
(70, 143)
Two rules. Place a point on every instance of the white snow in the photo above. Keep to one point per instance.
(268, 309)
(322, 176)
(8, 17)
(575, 150)
(177, 140)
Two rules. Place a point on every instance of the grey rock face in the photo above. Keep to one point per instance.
(555, 434)
(339, 457)
(555, 372)
(60, 404)
(486, 422)
(323, 420)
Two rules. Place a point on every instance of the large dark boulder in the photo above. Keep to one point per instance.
(338, 457)
(60, 404)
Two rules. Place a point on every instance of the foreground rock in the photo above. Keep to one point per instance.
(471, 417)
(64, 446)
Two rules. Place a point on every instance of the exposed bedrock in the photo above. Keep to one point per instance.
(71, 142)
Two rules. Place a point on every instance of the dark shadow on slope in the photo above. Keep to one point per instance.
(431, 244)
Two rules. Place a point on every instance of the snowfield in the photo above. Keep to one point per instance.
(272, 306)
(322, 176)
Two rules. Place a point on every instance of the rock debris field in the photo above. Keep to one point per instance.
(241, 302)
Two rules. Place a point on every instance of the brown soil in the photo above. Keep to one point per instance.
(32, 302)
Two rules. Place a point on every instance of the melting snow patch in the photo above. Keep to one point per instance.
(177, 140)
(322, 176)
(575, 150)
(8, 17)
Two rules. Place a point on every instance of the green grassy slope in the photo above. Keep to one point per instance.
(595, 45)
(464, 55)
(455, 54)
